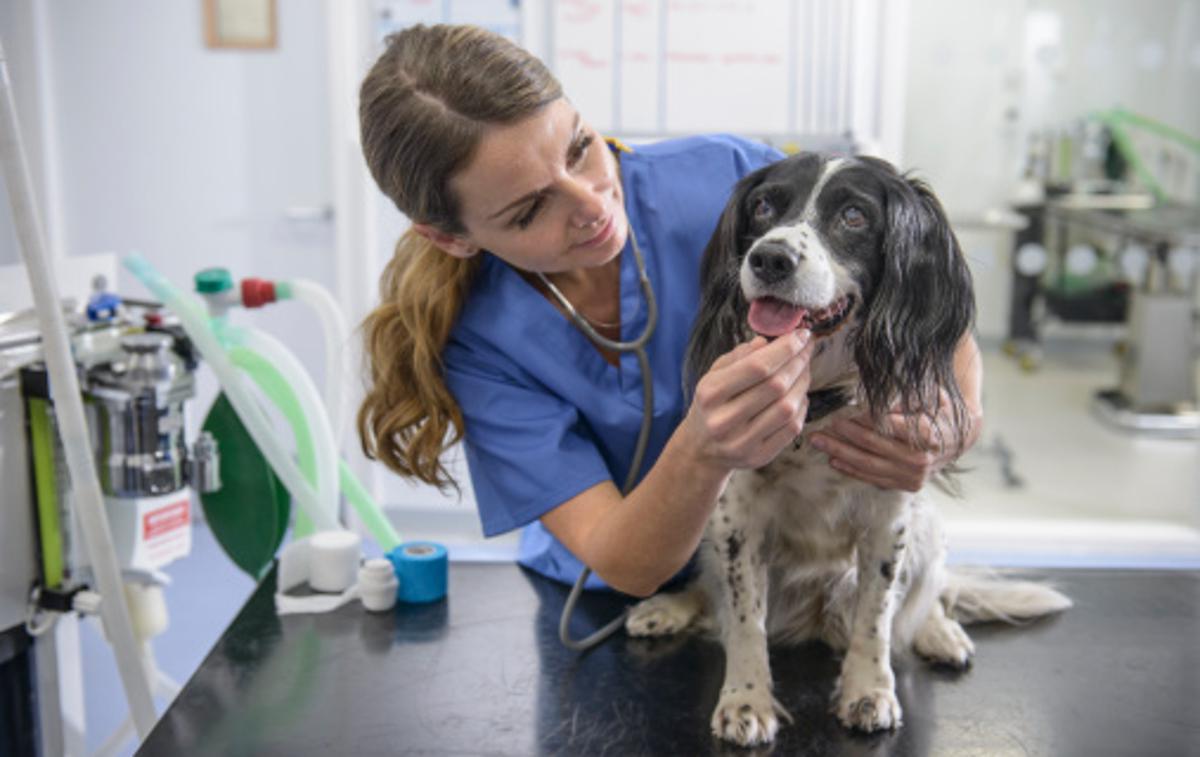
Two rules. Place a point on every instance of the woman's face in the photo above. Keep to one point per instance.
(542, 194)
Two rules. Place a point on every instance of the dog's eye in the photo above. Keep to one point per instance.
(853, 217)
(763, 211)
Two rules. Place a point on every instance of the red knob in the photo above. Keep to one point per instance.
(257, 292)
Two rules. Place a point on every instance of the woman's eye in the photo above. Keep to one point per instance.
(854, 218)
(522, 221)
(763, 211)
(580, 149)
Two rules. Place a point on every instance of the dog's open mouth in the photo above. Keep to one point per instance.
(772, 317)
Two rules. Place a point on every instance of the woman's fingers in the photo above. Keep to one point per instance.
(775, 426)
(773, 391)
(858, 450)
(748, 368)
(753, 400)
(737, 353)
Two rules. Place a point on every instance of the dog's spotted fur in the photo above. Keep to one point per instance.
(796, 550)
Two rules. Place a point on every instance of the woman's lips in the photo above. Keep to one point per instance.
(601, 236)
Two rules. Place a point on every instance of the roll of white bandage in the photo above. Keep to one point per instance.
(328, 562)
(333, 560)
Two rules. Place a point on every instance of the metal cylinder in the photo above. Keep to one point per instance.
(206, 464)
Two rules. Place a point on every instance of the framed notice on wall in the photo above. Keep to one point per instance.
(240, 23)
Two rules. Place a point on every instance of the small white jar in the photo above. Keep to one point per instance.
(377, 584)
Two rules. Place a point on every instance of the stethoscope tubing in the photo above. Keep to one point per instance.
(638, 347)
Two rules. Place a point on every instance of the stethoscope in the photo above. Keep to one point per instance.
(638, 347)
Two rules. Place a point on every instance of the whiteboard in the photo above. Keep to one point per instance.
(788, 70)
(782, 68)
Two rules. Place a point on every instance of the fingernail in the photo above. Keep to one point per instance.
(818, 442)
(802, 336)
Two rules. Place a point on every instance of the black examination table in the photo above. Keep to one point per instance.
(483, 673)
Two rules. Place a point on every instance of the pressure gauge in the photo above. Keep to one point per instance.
(1030, 259)
(1081, 259)
(1134, 260)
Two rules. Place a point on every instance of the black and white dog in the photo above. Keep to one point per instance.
(863, 257)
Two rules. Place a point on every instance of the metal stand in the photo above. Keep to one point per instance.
(1157, 393)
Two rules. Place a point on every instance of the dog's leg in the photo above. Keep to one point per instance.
(746, 712)
(668, 613)
(866, 698)
(934, 635)
(942, 640)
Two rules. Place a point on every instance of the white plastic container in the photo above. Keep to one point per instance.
(377, 584)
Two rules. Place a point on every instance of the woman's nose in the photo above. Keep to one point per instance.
(590, 205)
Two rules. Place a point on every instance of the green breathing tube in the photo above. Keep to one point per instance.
(227, 364)
(273, 384)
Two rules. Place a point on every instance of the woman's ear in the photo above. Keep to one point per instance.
(450, 244)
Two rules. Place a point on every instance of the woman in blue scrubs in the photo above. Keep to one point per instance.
(505, 182)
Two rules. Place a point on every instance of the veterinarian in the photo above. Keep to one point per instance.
(513, 195)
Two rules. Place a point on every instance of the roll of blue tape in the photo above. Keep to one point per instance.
(423, 568)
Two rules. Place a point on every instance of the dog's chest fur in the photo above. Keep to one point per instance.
(810, 512)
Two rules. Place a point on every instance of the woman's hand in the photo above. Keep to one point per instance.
(893, 457)
(900, 454)
(752, 402)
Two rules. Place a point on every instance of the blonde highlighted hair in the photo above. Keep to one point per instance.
(423, 109)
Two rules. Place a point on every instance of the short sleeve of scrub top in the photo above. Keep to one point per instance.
(546, 416)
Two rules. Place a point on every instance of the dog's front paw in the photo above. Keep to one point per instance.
(746, 717)
(660, 615)
(873, 710)
(944, 642)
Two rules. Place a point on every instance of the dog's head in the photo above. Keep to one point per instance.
(840, 243)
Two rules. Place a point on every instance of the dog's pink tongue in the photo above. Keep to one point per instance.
(772, 317)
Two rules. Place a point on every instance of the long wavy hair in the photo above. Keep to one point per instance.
(423, 109)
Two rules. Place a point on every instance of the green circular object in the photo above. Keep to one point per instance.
(213, 280)
(249, 514)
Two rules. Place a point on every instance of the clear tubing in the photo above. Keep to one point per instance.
(276, 388)
(320, 432)
(336, 332)
(194, 320)
(87, 501)
(273, 384)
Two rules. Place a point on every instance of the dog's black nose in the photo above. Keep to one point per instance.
(773, 262)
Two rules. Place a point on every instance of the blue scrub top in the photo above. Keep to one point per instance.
(546, 416)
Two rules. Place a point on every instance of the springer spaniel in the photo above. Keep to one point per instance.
(865, 258)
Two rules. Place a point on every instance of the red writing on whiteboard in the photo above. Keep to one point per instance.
(580, 11)
(582, 57)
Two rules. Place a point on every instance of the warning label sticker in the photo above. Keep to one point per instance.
(165, 519)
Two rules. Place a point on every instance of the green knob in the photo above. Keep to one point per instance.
(213, 280)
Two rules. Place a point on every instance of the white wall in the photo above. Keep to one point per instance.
(18, 33)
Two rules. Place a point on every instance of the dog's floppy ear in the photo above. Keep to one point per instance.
(718, 325)
(923, 304)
